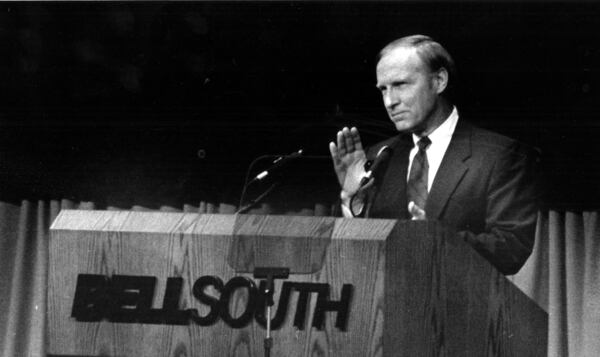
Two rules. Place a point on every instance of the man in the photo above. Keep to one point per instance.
(441, 167)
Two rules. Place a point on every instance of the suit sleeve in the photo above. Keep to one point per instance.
(513, 194)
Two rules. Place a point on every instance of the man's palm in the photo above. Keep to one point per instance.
(348, 159)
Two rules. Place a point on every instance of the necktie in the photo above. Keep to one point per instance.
(416, 189)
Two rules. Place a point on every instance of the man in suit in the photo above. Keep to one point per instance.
(441, 167)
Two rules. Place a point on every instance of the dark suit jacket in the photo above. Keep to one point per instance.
(486, 188)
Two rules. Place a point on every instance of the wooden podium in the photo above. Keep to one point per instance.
(145, 284)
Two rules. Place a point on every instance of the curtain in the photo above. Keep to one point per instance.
(562, 275)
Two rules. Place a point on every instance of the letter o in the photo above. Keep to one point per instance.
(231, 286)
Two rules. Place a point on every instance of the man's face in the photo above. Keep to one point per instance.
(409, 90)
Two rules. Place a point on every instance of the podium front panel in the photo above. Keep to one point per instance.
(114, 275)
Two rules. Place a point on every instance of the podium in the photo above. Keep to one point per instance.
(127, 284)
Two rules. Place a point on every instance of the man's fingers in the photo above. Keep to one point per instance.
(356, 139)
(334, 153)
(333, 149)
(341, 144)
(348, 140)
(415, 211)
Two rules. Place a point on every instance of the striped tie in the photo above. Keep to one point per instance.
(416, 189)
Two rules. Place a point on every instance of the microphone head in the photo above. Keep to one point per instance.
(384, 153)
(383, 156)
(372, 167)
(386, 150)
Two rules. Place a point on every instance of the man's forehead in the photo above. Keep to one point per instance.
(401, 57)
(400, 61)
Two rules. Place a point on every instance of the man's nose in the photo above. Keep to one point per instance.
(390, 99)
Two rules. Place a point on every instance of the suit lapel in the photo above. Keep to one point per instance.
(451, 171)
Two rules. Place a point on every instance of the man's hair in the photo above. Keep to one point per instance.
(433, 55)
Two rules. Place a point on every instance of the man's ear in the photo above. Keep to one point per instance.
(441, 80)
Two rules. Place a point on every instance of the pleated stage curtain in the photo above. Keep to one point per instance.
(562, 275)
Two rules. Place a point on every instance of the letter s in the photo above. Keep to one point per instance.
(211, 301)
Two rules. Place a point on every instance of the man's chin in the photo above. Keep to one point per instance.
(403, 126)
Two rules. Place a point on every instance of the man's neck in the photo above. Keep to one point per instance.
(439, 115)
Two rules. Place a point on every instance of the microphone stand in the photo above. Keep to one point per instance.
(269, 274)
(241, 208)
(252, 203)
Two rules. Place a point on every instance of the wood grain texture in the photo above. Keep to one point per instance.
(417, 290)
(189, 246)
(299, 243)
(449, 301)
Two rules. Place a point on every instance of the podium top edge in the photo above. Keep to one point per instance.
(210, 223)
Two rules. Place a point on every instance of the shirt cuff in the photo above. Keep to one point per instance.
(345, 199)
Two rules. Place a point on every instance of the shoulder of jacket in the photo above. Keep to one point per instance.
(490, 142)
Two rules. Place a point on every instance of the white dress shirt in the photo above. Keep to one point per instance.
(440, 139)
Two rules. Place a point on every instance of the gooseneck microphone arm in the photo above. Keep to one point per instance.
(246, 180)
(277, 164)
(249, 205)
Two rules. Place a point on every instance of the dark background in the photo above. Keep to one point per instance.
(168, 103)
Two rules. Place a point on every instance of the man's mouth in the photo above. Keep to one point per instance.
(397, 116)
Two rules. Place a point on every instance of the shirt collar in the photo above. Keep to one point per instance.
(443, 131)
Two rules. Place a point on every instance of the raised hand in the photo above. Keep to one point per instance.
(348, 159)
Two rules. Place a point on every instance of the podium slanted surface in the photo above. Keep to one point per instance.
(125, 283)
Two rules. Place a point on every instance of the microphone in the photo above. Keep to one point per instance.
(380, 160)
(278, 163)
